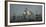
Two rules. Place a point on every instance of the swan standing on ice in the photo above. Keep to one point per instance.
(27, 12)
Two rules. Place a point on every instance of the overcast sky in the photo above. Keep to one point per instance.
(16, 9)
